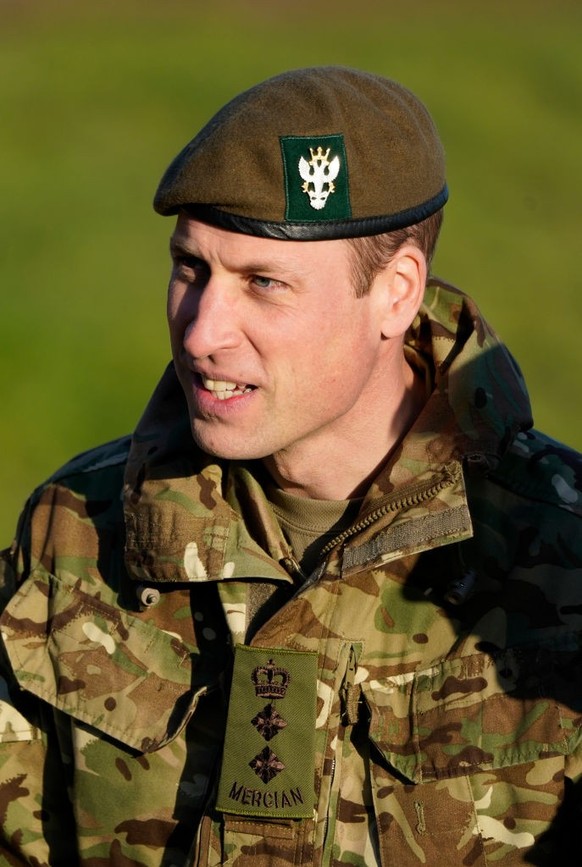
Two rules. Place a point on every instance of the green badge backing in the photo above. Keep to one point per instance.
(316, 178)
(269, 751)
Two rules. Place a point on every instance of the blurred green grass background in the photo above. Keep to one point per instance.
(97, 98)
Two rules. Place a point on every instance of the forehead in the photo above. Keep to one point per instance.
(238, 250)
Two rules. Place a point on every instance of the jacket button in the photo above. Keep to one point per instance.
(148, 596)
(460, 590)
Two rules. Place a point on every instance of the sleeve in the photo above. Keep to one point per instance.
(36, 823)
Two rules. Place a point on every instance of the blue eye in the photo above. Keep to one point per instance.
(263, 282)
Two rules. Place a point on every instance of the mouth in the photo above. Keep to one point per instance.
(223, 389)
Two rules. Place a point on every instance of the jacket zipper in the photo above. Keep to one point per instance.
(325, 842)
(417, 495)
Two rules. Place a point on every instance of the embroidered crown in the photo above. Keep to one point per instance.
(270, 680)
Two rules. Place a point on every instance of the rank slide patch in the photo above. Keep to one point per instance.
(269, 750)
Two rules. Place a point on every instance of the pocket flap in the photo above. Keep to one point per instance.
(477, 712)
(103, 666)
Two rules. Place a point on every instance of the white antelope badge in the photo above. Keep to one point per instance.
(319, 174)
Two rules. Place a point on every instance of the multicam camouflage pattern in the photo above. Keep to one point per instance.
(446, 624)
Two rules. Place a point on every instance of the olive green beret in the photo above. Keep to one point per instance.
(312, 154)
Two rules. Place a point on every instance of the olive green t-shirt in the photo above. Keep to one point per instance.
(308, 525)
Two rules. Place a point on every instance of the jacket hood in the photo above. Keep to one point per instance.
(479, 400)
(475, 374)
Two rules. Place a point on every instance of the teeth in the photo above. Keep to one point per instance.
(218, 384)
(222, 389)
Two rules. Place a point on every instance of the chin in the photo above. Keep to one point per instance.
(228, 450)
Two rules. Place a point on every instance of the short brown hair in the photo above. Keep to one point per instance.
(372, 253)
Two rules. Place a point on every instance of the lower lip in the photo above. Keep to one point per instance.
(209, 404)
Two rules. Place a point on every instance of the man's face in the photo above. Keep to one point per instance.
(274, 352)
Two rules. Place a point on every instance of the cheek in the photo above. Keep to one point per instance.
(174, 300)
(173, 328)
(177, 312)
(353, 358)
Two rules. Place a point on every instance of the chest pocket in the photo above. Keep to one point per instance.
(468, 756)
(102, 665)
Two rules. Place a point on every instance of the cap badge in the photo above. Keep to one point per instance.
(320, 162)
(319, 174)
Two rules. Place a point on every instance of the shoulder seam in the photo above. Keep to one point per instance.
(111, 454)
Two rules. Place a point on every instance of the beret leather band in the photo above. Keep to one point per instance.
(324, 231)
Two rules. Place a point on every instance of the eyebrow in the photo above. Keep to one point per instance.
(178, 246)
(271, 265)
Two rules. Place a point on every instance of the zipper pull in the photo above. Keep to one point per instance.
(291, 566)
(350, 691)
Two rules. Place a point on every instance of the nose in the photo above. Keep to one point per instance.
(213, 321)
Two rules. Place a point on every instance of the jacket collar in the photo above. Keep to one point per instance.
(182, 507)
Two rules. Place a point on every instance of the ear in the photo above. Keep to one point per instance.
(401, 284)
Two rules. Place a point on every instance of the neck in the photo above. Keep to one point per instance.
(341, 465)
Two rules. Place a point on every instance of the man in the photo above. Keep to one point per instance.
(324, 606)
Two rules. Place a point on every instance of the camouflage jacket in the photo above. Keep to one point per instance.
(417, 700)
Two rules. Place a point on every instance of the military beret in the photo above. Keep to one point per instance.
(312, 154)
